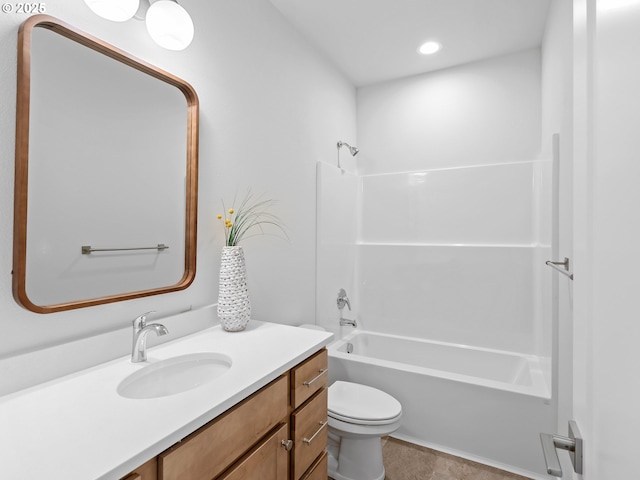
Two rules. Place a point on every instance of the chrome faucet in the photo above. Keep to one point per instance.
(140, 331)
(341, 302)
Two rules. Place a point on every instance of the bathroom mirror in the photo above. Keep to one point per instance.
(106, 173)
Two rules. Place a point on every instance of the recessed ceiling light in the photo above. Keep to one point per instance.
(429, 48)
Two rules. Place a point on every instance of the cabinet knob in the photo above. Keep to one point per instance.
(287, 444)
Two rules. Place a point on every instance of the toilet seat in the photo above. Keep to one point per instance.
(359, 416)
(362, 405)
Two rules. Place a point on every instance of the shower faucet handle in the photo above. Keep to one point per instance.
(343, 299)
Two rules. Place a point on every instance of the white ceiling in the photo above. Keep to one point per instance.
(373, 41)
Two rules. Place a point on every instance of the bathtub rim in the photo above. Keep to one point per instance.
(538, 388)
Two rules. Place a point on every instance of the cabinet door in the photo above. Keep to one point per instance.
(309, 433)
(319, 470)
(267, 461)
(208, 452)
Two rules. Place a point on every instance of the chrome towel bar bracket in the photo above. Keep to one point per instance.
(565, 264)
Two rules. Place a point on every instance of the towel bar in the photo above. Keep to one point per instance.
(87, 249)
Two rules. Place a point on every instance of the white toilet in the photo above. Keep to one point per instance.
(359, 416)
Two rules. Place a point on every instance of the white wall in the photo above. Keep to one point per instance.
(474, 114)
(606, 235)
(271, 107)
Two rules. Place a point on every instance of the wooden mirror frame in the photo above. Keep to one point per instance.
(22, 163)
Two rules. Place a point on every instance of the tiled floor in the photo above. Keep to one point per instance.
(406, 461)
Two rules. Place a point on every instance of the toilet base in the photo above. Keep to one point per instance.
(355, 459)
(337, 476)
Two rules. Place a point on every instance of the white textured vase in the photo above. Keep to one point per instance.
(234, 307)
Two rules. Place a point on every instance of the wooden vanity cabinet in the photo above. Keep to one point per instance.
(309, 432)
(278, 433)
(309, 422)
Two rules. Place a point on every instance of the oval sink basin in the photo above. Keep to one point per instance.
(174, 375)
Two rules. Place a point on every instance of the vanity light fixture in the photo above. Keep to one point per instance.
(168, 23)
(429, 48)
(114, 10)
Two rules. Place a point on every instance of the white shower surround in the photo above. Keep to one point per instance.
(416, 262)
(453, 260)
(456, 255)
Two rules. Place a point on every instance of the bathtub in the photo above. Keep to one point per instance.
(481, 404)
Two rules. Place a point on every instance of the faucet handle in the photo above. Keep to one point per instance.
(140, 320)
(343, 299)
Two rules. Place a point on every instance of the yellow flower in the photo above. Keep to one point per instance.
(231, 210)
(219, 217)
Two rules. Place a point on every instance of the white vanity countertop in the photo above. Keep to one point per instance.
(79, 427)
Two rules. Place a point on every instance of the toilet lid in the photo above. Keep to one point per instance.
(356, 403)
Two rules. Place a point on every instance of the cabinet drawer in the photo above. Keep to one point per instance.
(268, 461)
(309, 432)
(212, 449)
(148, 471)
(309, 377)
(319, 470)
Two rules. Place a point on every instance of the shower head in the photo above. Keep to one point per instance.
(353, 150)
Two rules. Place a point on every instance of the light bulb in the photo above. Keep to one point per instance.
(115, 10)
(169, 25)
(429, 48)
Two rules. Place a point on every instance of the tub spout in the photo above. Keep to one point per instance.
(344, 322)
